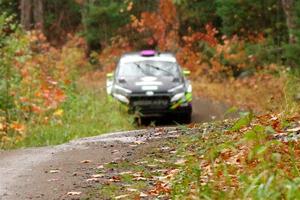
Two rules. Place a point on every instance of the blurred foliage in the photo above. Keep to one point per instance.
(252, 17)
(196, 14)
(61, 18)
(9, 7)
(101, 20)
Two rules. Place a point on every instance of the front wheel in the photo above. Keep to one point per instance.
(186, 118)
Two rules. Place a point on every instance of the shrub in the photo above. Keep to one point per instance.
(34, 79)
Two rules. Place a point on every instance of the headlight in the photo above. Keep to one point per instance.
(119, 89)
(178, 93)
(120, 93)
(176, 89)
(177, 97)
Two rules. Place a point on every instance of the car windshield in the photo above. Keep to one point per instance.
(148, 68)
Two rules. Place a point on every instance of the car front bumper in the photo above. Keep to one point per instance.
(160, 105)
(186, 110)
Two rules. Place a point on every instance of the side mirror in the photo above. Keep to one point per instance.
(110, 75)
(186, 72)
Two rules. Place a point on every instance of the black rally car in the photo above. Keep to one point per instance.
(153, 84)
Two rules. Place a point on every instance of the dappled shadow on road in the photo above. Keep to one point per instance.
(204, 110)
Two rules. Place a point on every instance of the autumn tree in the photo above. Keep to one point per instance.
(196, 14)
(252, 17)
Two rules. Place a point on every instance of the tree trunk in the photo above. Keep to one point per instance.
(290, 13)
(32, 14)
(38, 13)
(26, 14)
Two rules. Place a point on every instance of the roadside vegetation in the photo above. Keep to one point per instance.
(251, 158)
(45, 99)
(84, 114)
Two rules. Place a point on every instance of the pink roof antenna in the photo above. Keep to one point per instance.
(148, 53)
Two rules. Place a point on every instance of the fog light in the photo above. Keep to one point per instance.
(121, 98)
(184, 104)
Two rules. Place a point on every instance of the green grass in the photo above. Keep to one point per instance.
(290, 105)
(264, 171)
(84, 114)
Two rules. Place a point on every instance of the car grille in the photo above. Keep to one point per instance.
(146, 103)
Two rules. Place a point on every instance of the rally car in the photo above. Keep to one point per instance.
(153, 84)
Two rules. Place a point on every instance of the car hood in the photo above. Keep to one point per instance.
(149, 83)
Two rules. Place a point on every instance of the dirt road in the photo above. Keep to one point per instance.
(52, 172)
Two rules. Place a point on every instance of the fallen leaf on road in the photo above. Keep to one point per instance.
(174, 136)
(142, 162)
(73, 193)
(165, 148)
(158, 134)
(172, 132)
(180, 162)
(86, 161)
(97, 176)
(139, 142)
(100, 167)
(113, 162)
(140, 179)
(143, 194)
(160, 160)
(128, 172)
(294, 129)
(137, 174)
(115, 179)
(93, 180)
(152, 166)
(115, 151)
(172, 173)
(53, 180)
(75, 174)
(159, 171)
(54, 171)
(159, 188)
(131, 190)
(122, 196)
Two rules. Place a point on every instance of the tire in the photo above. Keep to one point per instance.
(186, 118)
